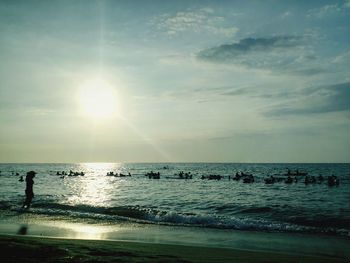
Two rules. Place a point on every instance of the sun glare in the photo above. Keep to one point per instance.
(98, 100)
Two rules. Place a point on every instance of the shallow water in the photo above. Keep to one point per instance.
(314, 208)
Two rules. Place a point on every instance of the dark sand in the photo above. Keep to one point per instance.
(38, 249)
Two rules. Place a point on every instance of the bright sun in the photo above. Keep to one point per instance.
(98, 100)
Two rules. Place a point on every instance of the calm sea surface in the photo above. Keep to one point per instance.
(228, 204)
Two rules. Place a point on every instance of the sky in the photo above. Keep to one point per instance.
(175, 81)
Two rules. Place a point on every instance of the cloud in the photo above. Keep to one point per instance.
(325, 99)
(246, 46)
(329, 10)
(342, 58)
(260, 91)
(323, 11)
(237, 92)
(194, 21)
(283, 53)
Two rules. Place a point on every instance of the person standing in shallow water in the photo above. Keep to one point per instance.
(29, 189)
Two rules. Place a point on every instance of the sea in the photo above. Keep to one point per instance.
(220, 203)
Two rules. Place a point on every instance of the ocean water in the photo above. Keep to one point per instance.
(222, 204)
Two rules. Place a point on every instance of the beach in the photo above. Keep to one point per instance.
(36, 239)
(35, 249)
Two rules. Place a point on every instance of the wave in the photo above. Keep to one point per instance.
(144, 215)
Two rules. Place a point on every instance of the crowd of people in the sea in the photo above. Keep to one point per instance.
(63, 174)
(212, 177)
(118, 174)
(184, 175)
(292, 178)
(246, 178)
(289, 178)
(153, 175)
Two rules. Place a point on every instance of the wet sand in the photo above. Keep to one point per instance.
(40, 249)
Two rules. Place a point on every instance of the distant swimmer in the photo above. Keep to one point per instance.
(29, 189)
(21, 179)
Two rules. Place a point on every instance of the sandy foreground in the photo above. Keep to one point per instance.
(29, 238)
(40, 249)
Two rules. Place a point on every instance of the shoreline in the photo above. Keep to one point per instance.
(246, 246)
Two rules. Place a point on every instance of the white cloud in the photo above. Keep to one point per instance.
(328, 10)
(194, 21)
(343, 58)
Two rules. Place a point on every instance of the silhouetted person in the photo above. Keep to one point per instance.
(29, 189)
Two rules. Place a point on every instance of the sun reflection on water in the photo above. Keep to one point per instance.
(82, 230)
(95, 187)
(99, 167)
(89, 232)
